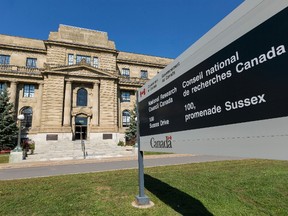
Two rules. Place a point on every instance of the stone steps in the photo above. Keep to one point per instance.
(69, 150)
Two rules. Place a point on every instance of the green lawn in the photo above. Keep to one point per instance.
(4, 158)
(245, 187)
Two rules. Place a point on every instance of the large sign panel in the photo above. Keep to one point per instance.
(236, 98)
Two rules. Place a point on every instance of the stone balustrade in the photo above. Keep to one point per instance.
(21, 69)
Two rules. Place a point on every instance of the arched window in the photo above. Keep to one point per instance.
(82, 97)
(125, 118)
(27, 112)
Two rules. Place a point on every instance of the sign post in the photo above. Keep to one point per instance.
(141, 199)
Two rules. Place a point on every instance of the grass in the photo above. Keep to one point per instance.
(4, 158)
(245, 187)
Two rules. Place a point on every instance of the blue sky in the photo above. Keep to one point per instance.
(155, 27)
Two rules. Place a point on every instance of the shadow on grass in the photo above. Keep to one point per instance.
(181, 202)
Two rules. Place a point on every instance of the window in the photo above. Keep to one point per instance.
(125, 96)
(29, 90)
(27, 112)
(95, 62)
(126, 72)
(81, 120)
(4, 59)
(70, 59)
(125, 118)
(82, 97)
(144, 74)
(2, 87)
(31, 62)
(79, 58)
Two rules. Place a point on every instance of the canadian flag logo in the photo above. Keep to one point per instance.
(168, 137)
(143, 92)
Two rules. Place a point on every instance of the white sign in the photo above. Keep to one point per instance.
(228, 93)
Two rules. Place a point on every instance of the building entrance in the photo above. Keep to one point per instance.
(80, 128)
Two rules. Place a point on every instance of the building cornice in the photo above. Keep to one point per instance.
(80, 46)
(80, 70)
(21, 77)
(131, 82)
(129, 88)
(29, 49)
(140, 63)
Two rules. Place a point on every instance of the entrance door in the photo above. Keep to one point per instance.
(80, 128)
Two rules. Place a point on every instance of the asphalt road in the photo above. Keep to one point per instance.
(75, 167)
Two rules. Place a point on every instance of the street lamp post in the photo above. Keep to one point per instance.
(18, 147)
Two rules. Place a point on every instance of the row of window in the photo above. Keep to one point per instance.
(79, 58)
(29, 91)
(126, 72)
(95, 63)
(27, 122)
(82, 97)
(30, 62)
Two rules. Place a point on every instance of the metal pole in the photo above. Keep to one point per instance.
(82, 142)
(141, 199)
(18, 147)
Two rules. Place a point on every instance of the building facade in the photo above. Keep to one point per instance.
(74, 85)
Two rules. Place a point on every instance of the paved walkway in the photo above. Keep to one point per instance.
(44, 169)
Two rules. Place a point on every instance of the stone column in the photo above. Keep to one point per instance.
(95, 104)
(119, 110)
(115, 105)
(67, 104)
(38, 111)
(13, 92)
(73, 127)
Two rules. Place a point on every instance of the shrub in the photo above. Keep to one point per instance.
(121, 143)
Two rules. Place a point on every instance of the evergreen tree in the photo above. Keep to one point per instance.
(131, 132)
(8, 126)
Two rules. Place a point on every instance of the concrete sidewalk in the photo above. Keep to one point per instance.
(45, 169)
(27, 164)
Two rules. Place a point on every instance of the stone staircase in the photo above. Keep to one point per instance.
(70, 150)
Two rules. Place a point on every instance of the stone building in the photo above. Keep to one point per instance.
(75, 83)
